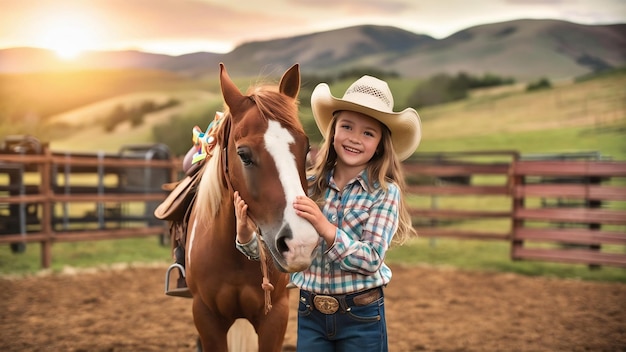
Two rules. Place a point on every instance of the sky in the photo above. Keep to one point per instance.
(177, 27)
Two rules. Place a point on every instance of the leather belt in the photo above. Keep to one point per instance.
(329, 304)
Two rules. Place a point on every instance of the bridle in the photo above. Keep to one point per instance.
(266, 285)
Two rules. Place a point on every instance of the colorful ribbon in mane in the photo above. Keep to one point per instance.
(204, 142)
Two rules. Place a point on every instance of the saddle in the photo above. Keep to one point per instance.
(176, 210)
(175, 205)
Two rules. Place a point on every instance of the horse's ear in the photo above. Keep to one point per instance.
(232, 95)
(290, 82)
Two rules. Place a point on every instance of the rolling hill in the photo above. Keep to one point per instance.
(584, 116)
(522, 49)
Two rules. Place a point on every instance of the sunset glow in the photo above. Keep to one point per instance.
(68, 33)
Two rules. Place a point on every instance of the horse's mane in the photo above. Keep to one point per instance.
(275, 106)
(209, 193)
(272, 106)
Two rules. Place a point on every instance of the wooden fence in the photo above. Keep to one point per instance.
(461, 195)
(569, 211)
(577, 205)
(49, 197)
(552, 208)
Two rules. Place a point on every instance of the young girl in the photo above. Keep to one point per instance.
(356, 204)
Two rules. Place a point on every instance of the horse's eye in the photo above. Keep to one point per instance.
(245, 155)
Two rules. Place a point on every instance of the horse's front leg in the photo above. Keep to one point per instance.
(212, 331)
(272, 328)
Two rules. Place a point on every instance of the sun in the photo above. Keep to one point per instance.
(68, 33)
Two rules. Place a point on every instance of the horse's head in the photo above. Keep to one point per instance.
(265, 156)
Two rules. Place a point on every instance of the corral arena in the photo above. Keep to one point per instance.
(428, 309)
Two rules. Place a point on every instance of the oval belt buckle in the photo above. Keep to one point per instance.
(326, 304)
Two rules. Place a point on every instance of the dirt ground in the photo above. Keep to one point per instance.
(428, 309)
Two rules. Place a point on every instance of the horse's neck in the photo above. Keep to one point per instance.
(224, 222)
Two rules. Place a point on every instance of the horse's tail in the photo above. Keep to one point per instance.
(242, 337)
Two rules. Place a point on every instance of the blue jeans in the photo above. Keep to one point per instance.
(351, 328)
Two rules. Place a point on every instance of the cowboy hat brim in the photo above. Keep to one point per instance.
(405, 126)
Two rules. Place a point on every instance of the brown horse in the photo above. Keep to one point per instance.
(260, 152)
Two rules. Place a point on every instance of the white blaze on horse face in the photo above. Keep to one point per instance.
(305, 238)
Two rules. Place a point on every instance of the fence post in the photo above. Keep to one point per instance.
(594, 204)
(46, 209)
(515, 181)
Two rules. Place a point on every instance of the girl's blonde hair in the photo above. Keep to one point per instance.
(384, 167)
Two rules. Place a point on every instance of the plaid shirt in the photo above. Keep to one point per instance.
(366, 221)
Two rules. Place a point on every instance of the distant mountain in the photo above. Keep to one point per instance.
(21, 60)
(328, 51)
(523, 49)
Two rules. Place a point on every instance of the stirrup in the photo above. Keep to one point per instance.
(179, 291)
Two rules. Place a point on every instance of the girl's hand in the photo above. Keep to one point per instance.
(307, 209)
(244, 232)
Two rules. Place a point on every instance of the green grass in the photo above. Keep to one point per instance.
(492, 256)
(85, 255)
(610, 142)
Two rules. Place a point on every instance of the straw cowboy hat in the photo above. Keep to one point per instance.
(372, 97)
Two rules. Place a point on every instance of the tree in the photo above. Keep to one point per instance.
(542, 83)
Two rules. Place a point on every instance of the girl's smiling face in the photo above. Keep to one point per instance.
(356, 138)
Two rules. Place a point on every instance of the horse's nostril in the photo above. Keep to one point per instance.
(282, 245)
(281, 239)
